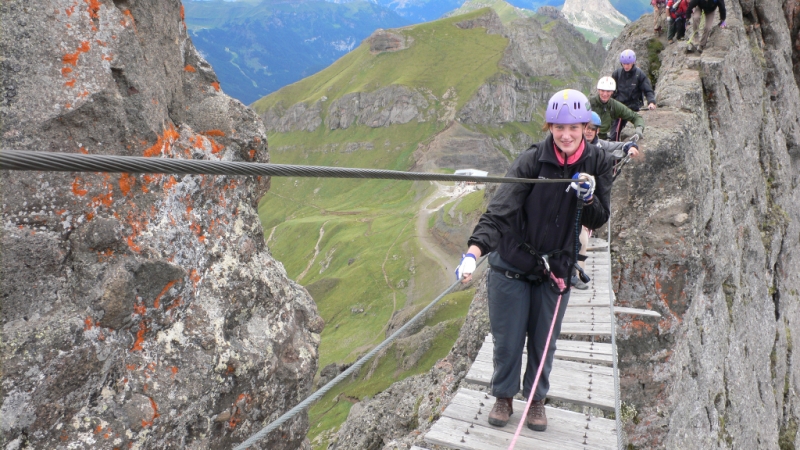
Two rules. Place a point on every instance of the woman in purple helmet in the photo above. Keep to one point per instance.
(632, 85)
(530, 231)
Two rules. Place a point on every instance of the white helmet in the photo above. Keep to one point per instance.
(607, 84)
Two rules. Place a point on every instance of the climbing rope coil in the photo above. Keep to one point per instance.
(73, 162)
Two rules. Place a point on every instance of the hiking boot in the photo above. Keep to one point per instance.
(578, 284)
(502, 410)
(689, 48)
(699, 49)
(670, 41)
(537, 420)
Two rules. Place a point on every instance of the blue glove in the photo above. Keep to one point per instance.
(467, 266)
(627, 147)
(584, 189)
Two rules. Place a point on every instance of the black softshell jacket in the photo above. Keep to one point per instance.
(543, 214)
(630, 87)
(709, 5)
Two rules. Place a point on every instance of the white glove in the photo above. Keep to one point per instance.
(467, 266)
(584, 189)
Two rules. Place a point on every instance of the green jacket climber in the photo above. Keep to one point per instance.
(612, 110)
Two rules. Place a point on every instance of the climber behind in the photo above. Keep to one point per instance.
(615, 150)
(678, 13)
(709, 9)
(530, 231)
(611, 110)
(631, 83)
(659, 7)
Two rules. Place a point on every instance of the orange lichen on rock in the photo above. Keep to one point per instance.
(94, 8)
(194, 276)
(70, 10)
(132, 245)
(83, 150)
(89, 323)
(126, 182)
(77, 187)
(215, 148)
(65, 71)
(103, 199)
(219, 133)
(189, 68)
(137, 345)
(130, 366)
(252, 154)
(170, 183)
(216, 85)
(84, 47)
(139, 308)
(71, 58)
(183, 13)
(157, 301)
(163, 143)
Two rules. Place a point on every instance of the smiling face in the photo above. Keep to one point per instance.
(604, 95)
(567, 137)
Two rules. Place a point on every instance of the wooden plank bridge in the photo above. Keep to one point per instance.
(582, 375)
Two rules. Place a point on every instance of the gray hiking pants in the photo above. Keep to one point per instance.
(518, 307)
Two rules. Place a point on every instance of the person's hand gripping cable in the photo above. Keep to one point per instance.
(584, 185)
(466, 268)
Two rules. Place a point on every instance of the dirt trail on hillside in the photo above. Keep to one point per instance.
(430, 246)
(316, 252)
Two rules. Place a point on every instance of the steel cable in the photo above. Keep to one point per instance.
(349, 371)
(76, 162)
(617, 405)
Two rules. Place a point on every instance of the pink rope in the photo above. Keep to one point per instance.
(561, 286)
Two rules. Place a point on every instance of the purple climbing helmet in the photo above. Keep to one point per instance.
(568, 106)
(627, 57)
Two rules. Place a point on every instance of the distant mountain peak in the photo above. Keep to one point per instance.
(598, 17)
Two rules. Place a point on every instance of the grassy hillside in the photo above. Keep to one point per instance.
(442, 56)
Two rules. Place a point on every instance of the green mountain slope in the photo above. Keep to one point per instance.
(445, 95)
(505, 10)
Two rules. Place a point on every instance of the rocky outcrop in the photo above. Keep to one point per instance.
(714, 246)
(391, 105)
(387, 41)
(139, 311)
(459, 148)
(535, 58)
(399, 416)
(550, 11)
(490, 22)
(298, 117)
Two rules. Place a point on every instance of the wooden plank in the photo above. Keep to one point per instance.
(598, 353)
(566, 383)
(583, 329)
(636, 311)
(565, 430)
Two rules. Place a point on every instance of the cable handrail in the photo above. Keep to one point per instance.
(76, 162)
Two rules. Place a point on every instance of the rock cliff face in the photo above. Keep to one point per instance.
(139, 311)
(712, 243)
